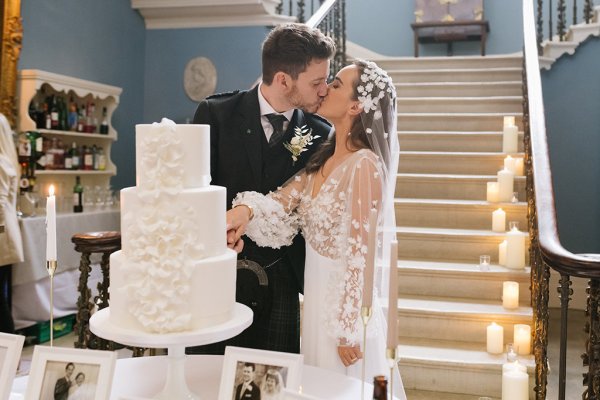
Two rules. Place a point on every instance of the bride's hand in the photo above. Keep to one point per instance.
(237, 221)
(349, 354)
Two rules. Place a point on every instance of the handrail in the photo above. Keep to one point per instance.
(321, 13)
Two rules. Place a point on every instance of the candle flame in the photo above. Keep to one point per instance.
(51, 190)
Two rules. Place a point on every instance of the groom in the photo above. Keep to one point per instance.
(249, 130)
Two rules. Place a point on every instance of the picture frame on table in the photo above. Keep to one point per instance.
(10, 353)
(250, 374)
(61, 373)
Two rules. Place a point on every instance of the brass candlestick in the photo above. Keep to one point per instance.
(365, 314)
(51, 267)
(391, 357)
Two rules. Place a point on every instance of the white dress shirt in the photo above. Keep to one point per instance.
(265, 108)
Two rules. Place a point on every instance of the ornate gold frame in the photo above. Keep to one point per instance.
(11, 35)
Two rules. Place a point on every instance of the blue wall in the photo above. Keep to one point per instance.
(572, 103)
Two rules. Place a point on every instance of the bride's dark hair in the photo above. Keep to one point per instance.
(357, 139)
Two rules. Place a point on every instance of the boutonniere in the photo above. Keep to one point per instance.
(303, 138)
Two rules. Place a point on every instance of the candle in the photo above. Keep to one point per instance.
(522, 339)
(367, 299)
(509, 120)
(510, 137)
(515, 385)
(499, 220)
(519, 166)
(510, 164)
(515, 365)
(510, 295)
(502, 253)
(505, 185)
(495, 338)
(492, 192)
(484, 263)
(515, 249)
(51, 225)
(392, 334)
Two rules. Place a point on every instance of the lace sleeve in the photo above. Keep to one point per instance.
(364, 192)
(275, 221)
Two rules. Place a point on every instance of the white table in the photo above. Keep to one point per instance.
(30, 281)
(143, 377)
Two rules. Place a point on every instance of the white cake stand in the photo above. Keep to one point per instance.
(175, 386)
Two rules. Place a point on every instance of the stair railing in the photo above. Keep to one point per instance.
(546, 250)
(561, 17)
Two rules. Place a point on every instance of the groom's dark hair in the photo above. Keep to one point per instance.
(291, 47)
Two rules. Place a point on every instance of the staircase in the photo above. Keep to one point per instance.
(450, 117)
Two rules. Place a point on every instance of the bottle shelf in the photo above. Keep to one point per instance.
(76, 134)
(74, 172)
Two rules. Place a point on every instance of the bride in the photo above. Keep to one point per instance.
(330, 201)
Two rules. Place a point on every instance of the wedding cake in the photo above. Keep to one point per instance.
(174, 272)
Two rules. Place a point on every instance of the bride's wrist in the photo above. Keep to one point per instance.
(250, 210)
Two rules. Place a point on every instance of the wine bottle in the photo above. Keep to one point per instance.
(77, 196)
(380, 387)
(54, 114)
(24, 184)
(75, 157)
(88, 158)
(101, 158)
(73, 116)
(104, 124)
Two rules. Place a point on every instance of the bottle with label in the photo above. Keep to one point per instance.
(54, 114)
(104, 124)
(101, 159)
(77, 196)
(75, 157)
(95, 158)
(72, 117)
(24, 184)
(88, 158)
(68, 156)
(380, 387)
(81, 119)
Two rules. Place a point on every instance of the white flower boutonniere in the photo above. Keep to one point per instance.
(303, 138)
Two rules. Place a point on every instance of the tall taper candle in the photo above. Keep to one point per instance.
(51, 225)
(367, 299)
(392, 334)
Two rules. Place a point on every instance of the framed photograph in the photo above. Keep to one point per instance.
(250, 374)
(10, 353)
(70, 374)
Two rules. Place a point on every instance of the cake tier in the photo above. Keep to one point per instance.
(192, 222)
(169, 154)
(208, 300)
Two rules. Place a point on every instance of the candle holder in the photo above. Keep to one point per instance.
(511, 354)
(390, 354)
(515, 197)
(51, 267)
(513, 225)
(484, 263)
(365, 315)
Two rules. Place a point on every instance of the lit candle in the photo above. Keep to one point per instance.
(392, 334)
(522, 339)
(495, 338)
(51, 225)
(510, 164)
(509, 120)
(519, 166)
(510, 295)
(510, 136)
(499, 220)
(492, 192)
(502, 253)
(514, 365)
(515, 385)
(506, 183)
(367, 299)
(515, 249)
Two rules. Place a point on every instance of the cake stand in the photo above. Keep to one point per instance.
(175, 386)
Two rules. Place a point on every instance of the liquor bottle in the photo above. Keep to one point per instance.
(104, 124)
(72, 116)
(77, 196)
(63, 124)
(75, 157)
(101, 159)
(54, 114)
(24, 149)
(380, 387)
(95, 158)
(68, 155)
(81, 119)
(88, 158)
(40, 162)
(24, 184)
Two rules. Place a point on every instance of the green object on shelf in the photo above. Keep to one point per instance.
(40, 332)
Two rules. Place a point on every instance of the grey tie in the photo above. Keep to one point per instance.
(276, 121)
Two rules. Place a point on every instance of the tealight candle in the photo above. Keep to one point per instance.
(519, 166)
(484, 263)
(522, 339)
(492, 192)
(510, 295)
(506, 183)
(495, 338)
(515, 248)
(502, 253)
(515, 384)
(51, 225)
(499, 220)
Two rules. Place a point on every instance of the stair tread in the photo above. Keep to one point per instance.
(459, 267)
(391, 71)
(464, 99)
(459, 306)
(458, 83)
(460, 153)
(448, 231)
(442, 133)
(456, 202)
(462, 114)
(453, 176)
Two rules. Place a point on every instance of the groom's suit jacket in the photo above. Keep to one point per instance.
(242, 160)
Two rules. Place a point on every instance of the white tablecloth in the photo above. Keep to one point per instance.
(144, 377)
(30, 281)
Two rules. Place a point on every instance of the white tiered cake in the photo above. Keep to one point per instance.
(174, 272)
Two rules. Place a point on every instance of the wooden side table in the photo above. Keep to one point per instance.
(450, 31)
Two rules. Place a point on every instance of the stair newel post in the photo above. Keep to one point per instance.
(562, 20)
(587, 11)
(565, 292)
(539, 24)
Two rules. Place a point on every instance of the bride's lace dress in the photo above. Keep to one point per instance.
(334, 222)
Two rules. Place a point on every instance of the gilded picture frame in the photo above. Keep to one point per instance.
(11, 36)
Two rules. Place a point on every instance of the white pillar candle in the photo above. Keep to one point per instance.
(509, 120)
(492, 192)
(506, 184)
(515, 249)
(516, 365)
(392, 333)
(519, 166)
(51, 225)
(515, 385)
(510, 139)
(499, 221)
(495, 338)
(510, 295)
(510, 164)
(367, 299)
(522, 339)
(502, 253)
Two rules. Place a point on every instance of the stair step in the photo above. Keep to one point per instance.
(464, 280)
(578, 33)
(490, 61)
(455, 121)
(556, 49)
(460, 89)
(468, 163)
(453, 141)
(455, 367)
(442, 186)
(456, 74)
(509, 104)
(449, 244)
(429, 395)
(455, 214)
